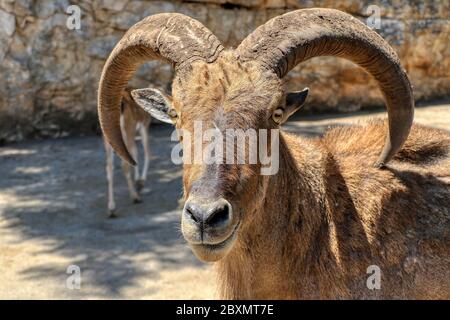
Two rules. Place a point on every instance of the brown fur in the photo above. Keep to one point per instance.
(131, 111)
(313, 229)
(328, 215)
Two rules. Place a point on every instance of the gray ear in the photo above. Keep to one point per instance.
(154, 102)
(294, 101)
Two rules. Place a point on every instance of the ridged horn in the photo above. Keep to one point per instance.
(286, 40)
(171, 37)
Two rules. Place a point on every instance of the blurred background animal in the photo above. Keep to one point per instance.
(133, 119)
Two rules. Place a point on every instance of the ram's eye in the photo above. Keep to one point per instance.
(277, 115)
(173, 114)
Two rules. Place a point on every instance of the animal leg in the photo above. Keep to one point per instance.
(130, 133)
(144, 136)
(110, 177)
(134, 153)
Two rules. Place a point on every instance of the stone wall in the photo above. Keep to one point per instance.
(49, 74)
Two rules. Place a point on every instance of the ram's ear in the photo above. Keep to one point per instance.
(156, 103)
(294, 101)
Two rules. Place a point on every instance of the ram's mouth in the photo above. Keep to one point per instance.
(211, 252)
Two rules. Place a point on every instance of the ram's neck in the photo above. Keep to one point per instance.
(289, 221)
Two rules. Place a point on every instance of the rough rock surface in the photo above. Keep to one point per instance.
(49, 73)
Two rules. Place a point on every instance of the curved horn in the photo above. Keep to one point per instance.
(172, 37)
(289, 39)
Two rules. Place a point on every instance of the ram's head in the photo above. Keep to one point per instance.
(240, 89)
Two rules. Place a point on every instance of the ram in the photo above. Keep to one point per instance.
(132, 119)
(339, 204)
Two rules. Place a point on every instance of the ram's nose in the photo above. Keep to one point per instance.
(208, 214)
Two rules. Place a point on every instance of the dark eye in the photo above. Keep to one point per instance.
(277, 115)
(173, 114)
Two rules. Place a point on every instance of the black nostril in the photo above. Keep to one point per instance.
(215, 214)
(193, 213)
(218, 215)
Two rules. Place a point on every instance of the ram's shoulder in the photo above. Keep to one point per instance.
(363, 142)
(413, 191)
(426, 146)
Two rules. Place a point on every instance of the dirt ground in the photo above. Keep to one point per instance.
(53, 215)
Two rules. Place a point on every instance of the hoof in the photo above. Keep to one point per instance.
(112, 214)
(137, 200)
(380, 165)
(139, 185)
